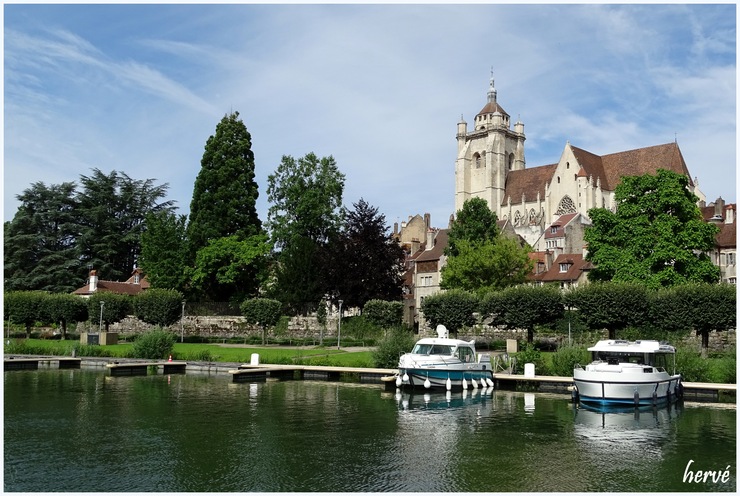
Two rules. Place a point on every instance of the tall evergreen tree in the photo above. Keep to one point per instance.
(475, 222)
(225, 192)
(40, 250)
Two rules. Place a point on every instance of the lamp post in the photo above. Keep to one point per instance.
(339, 329)
(100, 327)
(182, 325)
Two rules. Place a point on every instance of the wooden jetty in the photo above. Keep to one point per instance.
(248, 372)
(26, 363)
(141, 368)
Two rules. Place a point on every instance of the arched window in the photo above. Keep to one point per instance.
(476, 158)
(511, 161)
(558, 179)
(566, 206)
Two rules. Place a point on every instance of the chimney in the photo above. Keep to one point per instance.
(415, 245)
(93, 281)
(730, 214)
(428, 220)
(430, 239)
(719, 207)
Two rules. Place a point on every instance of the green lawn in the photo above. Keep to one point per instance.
(201, 352)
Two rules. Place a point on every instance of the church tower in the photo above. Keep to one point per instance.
(486, 154)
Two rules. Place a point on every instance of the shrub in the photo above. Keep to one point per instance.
(395, 343)
(531, 355)
(384, 314)
(691, 366)
(566, 358)
(161, 307)
(154, 345)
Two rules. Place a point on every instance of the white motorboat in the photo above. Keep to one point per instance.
(628, 373)
(444, 363)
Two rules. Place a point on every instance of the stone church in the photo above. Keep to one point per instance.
(491, 165)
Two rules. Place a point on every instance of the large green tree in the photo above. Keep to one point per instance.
(305, 213)
(656, 236)
(365, 263)
(40, 243)
(480, 258)
(164, 253)
(111, 213)
(225, 192)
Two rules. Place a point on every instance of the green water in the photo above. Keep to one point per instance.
(79, 430)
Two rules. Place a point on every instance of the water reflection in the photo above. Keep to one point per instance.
(625, 438)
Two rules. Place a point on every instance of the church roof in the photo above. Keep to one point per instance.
(527, 182)
(611, 168)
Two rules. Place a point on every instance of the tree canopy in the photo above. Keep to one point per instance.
(656, 236)
(306, 199)
(40, 243)
(365, 263)
(475, 222)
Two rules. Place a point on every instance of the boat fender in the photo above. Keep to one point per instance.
(427, 384)
(464, 384)
(490, 382)
(399, 381)
(574, 395)
(405, 377)
(448, 384)
(474, 383)
(655, 398)
(637, 398)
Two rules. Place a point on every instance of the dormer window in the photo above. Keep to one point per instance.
(564, 267)
(553, 229)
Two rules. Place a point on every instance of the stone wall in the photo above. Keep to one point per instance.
(225, 327)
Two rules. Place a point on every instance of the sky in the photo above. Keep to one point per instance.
(140, 88)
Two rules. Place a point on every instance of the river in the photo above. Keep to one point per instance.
(82, 430)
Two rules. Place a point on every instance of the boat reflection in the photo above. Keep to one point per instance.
(411, 401)
(617, 435)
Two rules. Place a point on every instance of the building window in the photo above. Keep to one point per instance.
(554, 229)
(567, 165)
(564, 267)
(732, 280)
(730, 259)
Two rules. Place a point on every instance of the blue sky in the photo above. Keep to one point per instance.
(140, 88)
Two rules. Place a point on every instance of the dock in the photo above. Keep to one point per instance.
(247, 372)
(25, 363)
(141, 368)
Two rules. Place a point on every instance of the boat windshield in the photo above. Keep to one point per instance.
(432, 349)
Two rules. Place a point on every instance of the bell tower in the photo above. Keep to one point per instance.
(487, 153)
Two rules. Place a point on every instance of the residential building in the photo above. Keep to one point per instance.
(132, 286)
(724, 254)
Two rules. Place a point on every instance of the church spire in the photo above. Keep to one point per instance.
(491, 90)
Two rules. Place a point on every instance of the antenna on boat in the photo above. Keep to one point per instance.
(442, 332)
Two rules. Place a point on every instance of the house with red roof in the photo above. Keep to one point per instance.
(132, 286)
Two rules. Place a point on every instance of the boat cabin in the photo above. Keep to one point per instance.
(461, 349)
(650, 353)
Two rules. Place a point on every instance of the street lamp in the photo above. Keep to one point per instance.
(182, 328)
(100, 327)
(339, 329)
